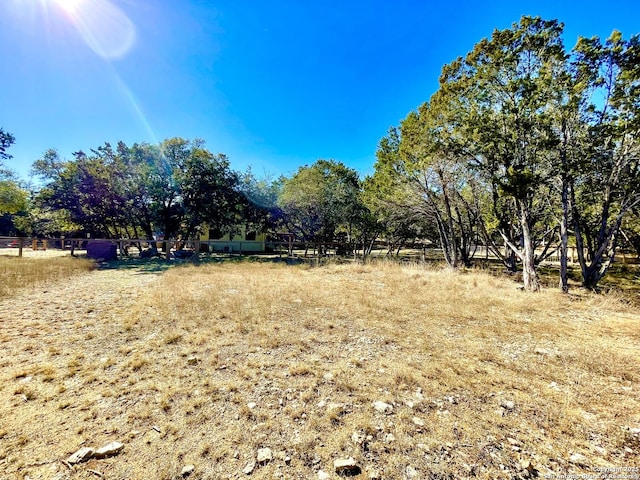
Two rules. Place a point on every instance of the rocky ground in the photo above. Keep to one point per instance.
(245, 370)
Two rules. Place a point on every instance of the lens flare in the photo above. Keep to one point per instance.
(69, 5)
(104, 27)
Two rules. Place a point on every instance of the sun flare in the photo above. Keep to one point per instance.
(69, 5)
(104, 27)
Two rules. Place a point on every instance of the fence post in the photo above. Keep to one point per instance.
(20, 243)
(34, 245)
(196, 253)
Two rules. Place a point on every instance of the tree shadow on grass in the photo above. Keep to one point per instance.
(159, 264)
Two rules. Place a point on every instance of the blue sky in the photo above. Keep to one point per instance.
(273, 84)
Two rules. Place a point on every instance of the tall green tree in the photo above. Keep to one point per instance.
(605, 182)
(6, 140)
(13, 198)
(171, 188)
(503, 90)
(388, 199)
(320, 200)
(260, 196)
(444, 189)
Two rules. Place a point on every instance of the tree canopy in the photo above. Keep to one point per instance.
(522, 141)
(527, 147)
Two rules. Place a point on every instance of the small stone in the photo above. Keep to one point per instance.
(248, 470)
(512, 441)
(358, 438)
(374, 474)
(634, 431)
(343, 463)
(389, 437)
(109, 450)
(82, 455)
(192, 360)
(328, 377)
(508, 405)
(600, 450)
(418, 421)
(322, 404)
(265, 455)
(541, 351)
(411, 472)
(578, 459)
(323, 475)
(527, 466)
(187, 470)
(346, 467)
(383, 407)
(251, 405)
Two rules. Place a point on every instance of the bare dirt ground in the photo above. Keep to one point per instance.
(412, 373)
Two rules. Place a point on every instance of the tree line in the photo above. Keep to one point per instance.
(526, 148)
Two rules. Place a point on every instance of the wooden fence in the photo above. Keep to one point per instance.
(165, 246)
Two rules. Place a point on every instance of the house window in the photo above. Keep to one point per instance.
(215, 233)
(251, 235)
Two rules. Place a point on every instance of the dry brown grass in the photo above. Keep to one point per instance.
(16, 273)
(481, 376)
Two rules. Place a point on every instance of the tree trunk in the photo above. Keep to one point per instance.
(564, 238)
(529, 273)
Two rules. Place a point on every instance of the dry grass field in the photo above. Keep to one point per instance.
(205, 365)
(18, 273)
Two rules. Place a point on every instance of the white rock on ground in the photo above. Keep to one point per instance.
(343, 464)
(578, 459)
(248, 470)
(187, 470)
(508, 405)
(383, 407)
(410, 472)
(264, 455)
(109, 450)
(81, 455)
